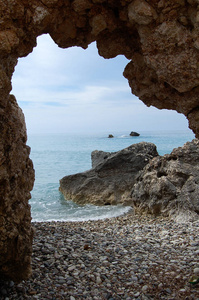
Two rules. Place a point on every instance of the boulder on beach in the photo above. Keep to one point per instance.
(112, 177)
(133, 133)
(169, 184)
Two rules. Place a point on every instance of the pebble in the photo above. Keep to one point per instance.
(128, 257)
(144, 288)
(137, 294)
(196, 271)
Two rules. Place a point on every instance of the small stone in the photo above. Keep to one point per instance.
(98, 280)
(4, 292)
(11, 284)
(21, 288)
(160, 285)
(136, 295)
(144, 288)
(32, 292)
(196, 271)
(168, 291)
(71, 268)
(134, 278)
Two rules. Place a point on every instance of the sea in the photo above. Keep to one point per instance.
(57, 155)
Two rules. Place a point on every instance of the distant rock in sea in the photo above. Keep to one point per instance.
(133, 133)
(111, 179)
(110, 136)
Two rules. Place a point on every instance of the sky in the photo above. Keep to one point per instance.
(76, 91)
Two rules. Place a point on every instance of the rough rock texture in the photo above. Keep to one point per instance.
(98, 157)
(111, 178)
(170, 183)
(16, 180)
(159, 37)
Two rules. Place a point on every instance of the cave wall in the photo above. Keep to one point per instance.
(159, 37)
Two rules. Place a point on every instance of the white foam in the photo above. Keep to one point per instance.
(88, 213)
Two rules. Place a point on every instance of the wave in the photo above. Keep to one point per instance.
(84, 213)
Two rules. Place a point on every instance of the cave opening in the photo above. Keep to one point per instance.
(70, 96)
(162, 49)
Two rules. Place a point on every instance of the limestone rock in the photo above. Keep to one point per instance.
(16, 181)
(111, 178)
(169, 184)
(161, 40)
(139, 11)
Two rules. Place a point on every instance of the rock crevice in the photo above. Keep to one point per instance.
(169, 184)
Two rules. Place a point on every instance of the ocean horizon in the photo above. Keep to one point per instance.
(57, 155)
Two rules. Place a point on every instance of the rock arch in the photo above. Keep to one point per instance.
(159, 37)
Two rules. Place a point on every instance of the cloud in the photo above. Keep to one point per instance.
(76, 90)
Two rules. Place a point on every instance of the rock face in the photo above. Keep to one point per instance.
(16, 180)
(159, 37)
(98, 157)
(170, 183)
(111, 178)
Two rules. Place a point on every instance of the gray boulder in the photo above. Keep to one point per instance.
(169, 184)
(98, 157)
(112, 177)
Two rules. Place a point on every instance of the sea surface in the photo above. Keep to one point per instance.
(55, 156)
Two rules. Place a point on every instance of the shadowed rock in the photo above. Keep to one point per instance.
(98, 157)
(170, 183)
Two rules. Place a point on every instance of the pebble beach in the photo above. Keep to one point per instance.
(128, 257)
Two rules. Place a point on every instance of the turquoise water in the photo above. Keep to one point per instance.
(55, 156)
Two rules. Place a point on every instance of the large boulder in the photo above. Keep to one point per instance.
(111, 178)
(169, 184)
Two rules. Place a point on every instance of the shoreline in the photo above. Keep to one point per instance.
(130, 211)
(125, 257)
